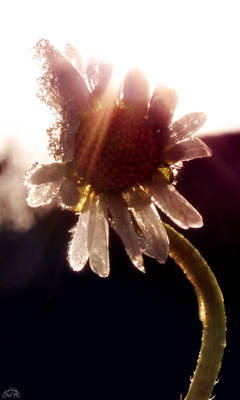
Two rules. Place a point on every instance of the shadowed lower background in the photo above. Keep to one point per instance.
(132, 335)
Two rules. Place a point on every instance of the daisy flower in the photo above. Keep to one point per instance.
(116, 154)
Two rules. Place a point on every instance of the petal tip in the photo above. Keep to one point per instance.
(198, 225)
(209, 152)
(76, 268)
(198, 222)
(141, 268)
(202, 116)
(162, 260)
(103, 274)
(136, 89)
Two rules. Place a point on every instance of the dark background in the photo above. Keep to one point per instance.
(132, 335)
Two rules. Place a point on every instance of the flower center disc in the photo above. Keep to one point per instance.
(116, 151)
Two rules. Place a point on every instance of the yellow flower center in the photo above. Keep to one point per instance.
(116, 150)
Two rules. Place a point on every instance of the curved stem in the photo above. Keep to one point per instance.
(211, 314)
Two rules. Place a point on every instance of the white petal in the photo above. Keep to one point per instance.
(69, 195)
(136, 89)
(187, 126)
(98, 238)
(150, 223)
(162, 106)
(170, 201)
(40, 195)
(105, 72)
(187, 150)
(125, 229)
(78, 249)
(39, 174)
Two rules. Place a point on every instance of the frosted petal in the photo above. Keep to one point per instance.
(175, 206)
(78, 249)
(187, 150)
(151, 225)
(61, 84)
(186, 126)
(69, 195)
(45, 173)
(40, 195)
(125, 229)
(98, 238)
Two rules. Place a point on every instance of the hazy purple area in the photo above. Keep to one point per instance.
(130, 336)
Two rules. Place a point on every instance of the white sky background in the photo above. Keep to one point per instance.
(190, 45)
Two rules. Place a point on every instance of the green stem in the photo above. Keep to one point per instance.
(211, 314)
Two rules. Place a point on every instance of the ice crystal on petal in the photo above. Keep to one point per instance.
(41, 195)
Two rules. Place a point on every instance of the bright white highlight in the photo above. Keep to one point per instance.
(189, 45)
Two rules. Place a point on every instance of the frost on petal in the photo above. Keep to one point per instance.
(136, 90)
(41, 195)
(69, 195)
(162, 106)
(187, 150)
(123, 226)
(78, 248)
(40, 174)
(98, 238)
(170, 201)
(186, 126)
(151, 225)
(63, 89)
(61, 84)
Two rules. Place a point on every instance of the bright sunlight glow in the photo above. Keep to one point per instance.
(189, 45)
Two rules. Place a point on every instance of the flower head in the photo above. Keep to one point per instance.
(116, 156)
